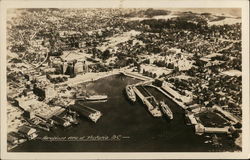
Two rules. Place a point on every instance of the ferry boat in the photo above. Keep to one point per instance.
(130, 93)
(166, 110)
(92, 98)
(96, 98)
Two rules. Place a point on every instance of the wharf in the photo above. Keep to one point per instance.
(86, 112)
(171, 97)
(136, 75)
(147, 99)
(56, 113)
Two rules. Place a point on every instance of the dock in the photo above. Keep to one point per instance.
(56, 113)
(136, 75)
(148, 99)
(86, 112)
(170, 96)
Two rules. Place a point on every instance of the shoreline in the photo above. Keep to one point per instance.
(84, 78)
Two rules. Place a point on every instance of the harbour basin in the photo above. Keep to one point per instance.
(129, 127)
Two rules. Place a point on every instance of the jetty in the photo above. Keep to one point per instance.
(148, 99)
(86, 112)
(136, 75)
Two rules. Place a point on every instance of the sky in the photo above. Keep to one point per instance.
(227, 11)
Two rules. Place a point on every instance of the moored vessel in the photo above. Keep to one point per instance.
(96, 98)
(166, 110)
(130, 93)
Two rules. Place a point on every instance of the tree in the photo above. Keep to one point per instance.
(154, 75)
(238, 125)
(94, 55)
(139, 68)
(150, 74)
(106, 54)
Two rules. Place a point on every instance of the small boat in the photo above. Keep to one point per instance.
(130, 93)
(166, 110)
(208, 141)
(96, 98)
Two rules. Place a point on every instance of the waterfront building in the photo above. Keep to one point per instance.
(29, 114)
(216, 130)
(12, 140)
(70, 70)
(28, 132)
(79, 67)
(199, 129)
(60, 121)
(82, 44)
(65, 66)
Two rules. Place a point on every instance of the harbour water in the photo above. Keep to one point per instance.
(124, 127)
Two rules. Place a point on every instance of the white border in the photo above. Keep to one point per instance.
(128, 4)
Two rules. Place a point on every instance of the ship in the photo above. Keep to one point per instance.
(166, 110)
(130, 93)
(96, 98)
(92, 98)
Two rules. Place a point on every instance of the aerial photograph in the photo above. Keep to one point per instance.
(124, 79)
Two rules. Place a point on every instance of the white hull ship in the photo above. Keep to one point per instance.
(93, 98)
(96, 98)
(130, 93)
(166, 110)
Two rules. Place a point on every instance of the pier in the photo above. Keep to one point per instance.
(56, 113)
(170, 96)
(136, 75)
(148, 99)
(86, 112)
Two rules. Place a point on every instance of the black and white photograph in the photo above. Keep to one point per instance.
(124, 79)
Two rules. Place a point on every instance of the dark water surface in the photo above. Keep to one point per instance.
(137, 129)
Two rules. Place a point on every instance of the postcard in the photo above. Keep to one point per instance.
(124, 79)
